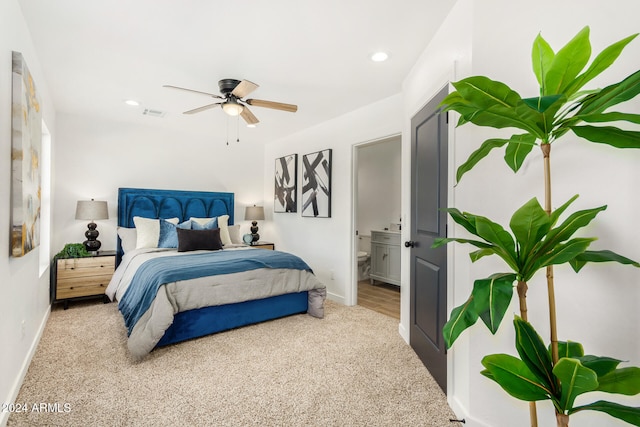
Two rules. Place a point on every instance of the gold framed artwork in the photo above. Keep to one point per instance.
(26, 148)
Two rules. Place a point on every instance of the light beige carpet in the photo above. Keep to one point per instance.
(349, 369)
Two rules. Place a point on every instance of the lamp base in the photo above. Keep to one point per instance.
(254, 231)
(92, 244)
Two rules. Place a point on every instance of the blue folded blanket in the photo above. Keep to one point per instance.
(159, 271)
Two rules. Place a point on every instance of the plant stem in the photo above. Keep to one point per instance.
(562, 420)
(546, 153)
(522, 297)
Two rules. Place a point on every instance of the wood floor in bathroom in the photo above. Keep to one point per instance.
(381, 297)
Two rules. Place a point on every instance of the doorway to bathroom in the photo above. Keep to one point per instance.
(377, 225)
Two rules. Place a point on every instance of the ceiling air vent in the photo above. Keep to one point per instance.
(153, 113)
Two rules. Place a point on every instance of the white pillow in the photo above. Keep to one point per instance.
(148, 231)
(128, 238)
(223, 223)
(234, 233)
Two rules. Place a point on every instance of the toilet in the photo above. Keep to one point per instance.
(363, 265)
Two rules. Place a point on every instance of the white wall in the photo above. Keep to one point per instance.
(325, 243)
(598, 307)
(24, 303)
(95, 157)
(379, 185)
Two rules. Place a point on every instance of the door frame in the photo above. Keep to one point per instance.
(351, 297)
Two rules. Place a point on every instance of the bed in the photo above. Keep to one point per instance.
(170, 288)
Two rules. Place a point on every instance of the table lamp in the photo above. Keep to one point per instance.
(254, 213)
(92, 210)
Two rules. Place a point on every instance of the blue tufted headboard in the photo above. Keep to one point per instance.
(150, 203)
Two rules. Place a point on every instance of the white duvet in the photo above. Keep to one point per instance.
(190, 294)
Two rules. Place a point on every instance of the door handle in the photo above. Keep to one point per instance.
(409, 244)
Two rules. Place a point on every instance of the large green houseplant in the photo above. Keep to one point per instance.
(538, 240)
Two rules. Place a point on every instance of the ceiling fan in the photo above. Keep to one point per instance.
(233, 91)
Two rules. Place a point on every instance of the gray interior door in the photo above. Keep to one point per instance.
(429, 266)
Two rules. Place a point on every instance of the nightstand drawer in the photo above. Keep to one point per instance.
(82, 286)
(83, 277)
(78, 267)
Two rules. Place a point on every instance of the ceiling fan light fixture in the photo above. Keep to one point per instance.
(232, 108)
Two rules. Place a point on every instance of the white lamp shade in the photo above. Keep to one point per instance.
(254, 213)
(92, 209)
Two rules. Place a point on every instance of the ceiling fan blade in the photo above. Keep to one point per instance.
(196, 91)
(206, 107)
(248, 116)
(244, 88)
(271, 104)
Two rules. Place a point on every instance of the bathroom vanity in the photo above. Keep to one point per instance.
(385, 256)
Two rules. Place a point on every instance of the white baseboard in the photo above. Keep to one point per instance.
(4, 416)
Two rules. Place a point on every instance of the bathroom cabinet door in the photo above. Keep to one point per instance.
(385, 257)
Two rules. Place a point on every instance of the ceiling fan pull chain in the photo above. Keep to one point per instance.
(227, 131)
(237, 128)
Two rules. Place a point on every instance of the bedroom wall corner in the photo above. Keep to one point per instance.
(24, 301)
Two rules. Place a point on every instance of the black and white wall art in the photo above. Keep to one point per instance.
(286, 185)
(316, 184)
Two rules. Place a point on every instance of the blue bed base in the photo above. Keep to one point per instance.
(153, 203)
(209, 320)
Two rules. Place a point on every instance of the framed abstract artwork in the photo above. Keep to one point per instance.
(286, 184)
(316, 184)
(26, 147)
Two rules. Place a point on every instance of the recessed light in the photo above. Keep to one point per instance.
(379, 56)
(132, 102)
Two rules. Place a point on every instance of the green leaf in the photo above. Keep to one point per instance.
(494, 104)
(533, 352)
(555, 215)
(484, 93)
(600, 256)
(610, 135)
(492, 297)
(599, 64)
(600, 365)
(611, 95)
(514, 377)
(611, 117)
(476, 255)
(440, 241)
(478, 155)
(569, 349)
(494, 233)
(568, 63)
(575, 380)
(518, 149)
(465, 220)
(624, 413)
(542, 103)
(573, 223)
(530, 223)
(562, 253)
(541, 57)
(621, 381)
(461, 318)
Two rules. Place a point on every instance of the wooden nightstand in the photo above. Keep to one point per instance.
(83, 277)
(264, 245)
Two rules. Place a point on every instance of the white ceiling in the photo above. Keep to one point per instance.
(313, 53)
